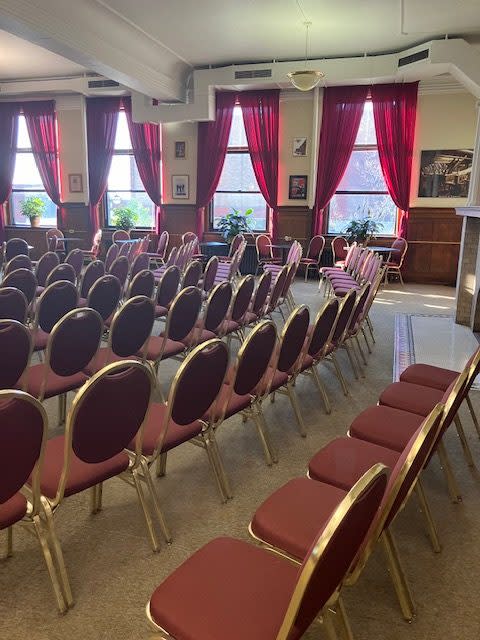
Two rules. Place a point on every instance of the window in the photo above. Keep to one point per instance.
(362, 192)
(27, 182)
(238, 187)
(124, 187)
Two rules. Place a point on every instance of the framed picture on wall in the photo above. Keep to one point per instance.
(445, 173)
(299, 147)
(297, 187)
(180, 149)
(75, 182)
(180, 187)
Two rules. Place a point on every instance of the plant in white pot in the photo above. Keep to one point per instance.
(33, 208)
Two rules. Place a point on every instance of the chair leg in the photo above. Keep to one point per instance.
(156, 503)
(146, 512)
(453, 489)
(351, 360)
(99, 496)
(464, 442)
(343, 623)
(361, 350)
(220, 466)
(339, 373)
(397, 574)
(473, 414)
(296, 408)
(62, 408)
(370, 328)
(425, 509)
(57, 549)
(161, 465)
(42, 538)
(366, 341)
(322, 390)
(9, 549)
(329, 624)
(262, 428)
(401, 279)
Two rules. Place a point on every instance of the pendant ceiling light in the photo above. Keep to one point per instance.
(306, 79)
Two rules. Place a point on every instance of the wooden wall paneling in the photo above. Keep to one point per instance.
(295, 222)
(178, 219)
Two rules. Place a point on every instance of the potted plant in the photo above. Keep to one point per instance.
(362, 231)
(33, 208)
(125, 217)
(234, 223)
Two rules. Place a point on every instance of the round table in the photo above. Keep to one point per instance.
(284, 248)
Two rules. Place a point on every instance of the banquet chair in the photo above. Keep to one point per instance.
(188, 237)
(22, 279)
(396, 258)
(192, 274)
(293, 257)
(23, 434)
(167, 290)
(142, 284)
(44, 266)
(348, 342)
(134, 252)
(240, 305)
(120, 234)
(344, 314)
(211, 324)
(75, 258)
(265, 255)
(339, 250)
(104, 296)
(273, 300)
(112, 255)
(13, 304)
(140, 263)
(55, 242)
(94, 251)
(234, 246)
(16, 350)
(259, 300)
(159, 255)
(72, 345)
(15, 247)
(209, 276)
(107, 413)
(124, 250)
(119, 269)
(314, 255)
(55, 302)
(171, 261)
(18, 262)
(180, 419)
(226, 571)
(94, 271)
(286, 298)
(62, 271)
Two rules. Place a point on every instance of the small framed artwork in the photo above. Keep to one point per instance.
(180, 187)
(180, 149)
(75, 182)
(299, 147)
(297, 187)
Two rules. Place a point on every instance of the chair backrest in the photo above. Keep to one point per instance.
(339, 248)
(217, 306)
(23, 433)
(13, 304)
(120, 234)
(254, 357)
(236, 243)
(264, 246)
(56, 301)
(104, 295)
(54, 239)
(331, 554)
(346, 308)
(243, 297)
(182, 256)
(400, 245)
(124, 249)
(189, 236)
(293, 338)
(183, 313)
(323, 329)
(97, 239)
(210, 273)
(134, 251)
(291, 272)
(62, 271)
(352, 254)
(172, 256)
(140, 263)
(45, 265)
(112, 255)
(131, 327)
(119, 269)
(22, 279)
(143, 284)
(192, 274)
(75, 258)
(278, 288)
(168, 286)
(163, 244)
(364, 256)
(315, 248)
(94, 271)
(261, 292)
(18, 262)
(15, 247)
(16, 348)
(362, 296)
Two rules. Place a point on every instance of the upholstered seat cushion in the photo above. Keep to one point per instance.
(155, 345)
(387, 427)
(235, 402)
(429, 376)
(341, 292)
(40, 339)
(81, 475)
(230, 326)
(343, 461)
(55, 385)
(291, 518)
(194, 337)
(228, 590)
(411, 397)
(307, 362)
(279, 379)
(82, 302)
(250, 316)
(308, 261)
(266, 261)
(328, 270)
(12, 510)
(39, 290)
(160, 311)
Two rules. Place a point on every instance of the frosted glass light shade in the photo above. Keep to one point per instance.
(305, 80)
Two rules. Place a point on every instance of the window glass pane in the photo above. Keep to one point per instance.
(25, 175)
(223, 203)
(346, 207)
(366, 130)
(363, 173)
(124, 175)
(122, 137)
(237, 137)
(23, 139)
(49, 218)
(237, 174)
(139, 202)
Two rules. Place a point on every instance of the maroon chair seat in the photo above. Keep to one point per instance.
(344, 460)
(307, 261)
(39, 290)
(385, 426)
(236, 402)
(427, 375)
(196, 601)
(55, 385)
(278, 380)
(160, 311)
(410, 397)
(40, 339)
(12, 510)
(82, 302)
(196, 337)
(231, 326)
(287, 520)
(250, 317)
(155, 348)
(81, 475)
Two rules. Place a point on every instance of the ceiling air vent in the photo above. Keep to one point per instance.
(254, 73)
(101, 84)
(415, 57)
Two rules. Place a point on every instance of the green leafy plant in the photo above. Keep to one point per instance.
(125, 217)
(234, 223)
(33, 207)
(362, 231)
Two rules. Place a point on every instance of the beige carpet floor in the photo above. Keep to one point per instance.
(113, 570)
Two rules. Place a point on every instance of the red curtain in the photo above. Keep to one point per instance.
(394, 111)
(211, 150)
(145, 137)
(8, 141)
(42, 129)
(342, 112)
(102, 117)
(260, 111)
